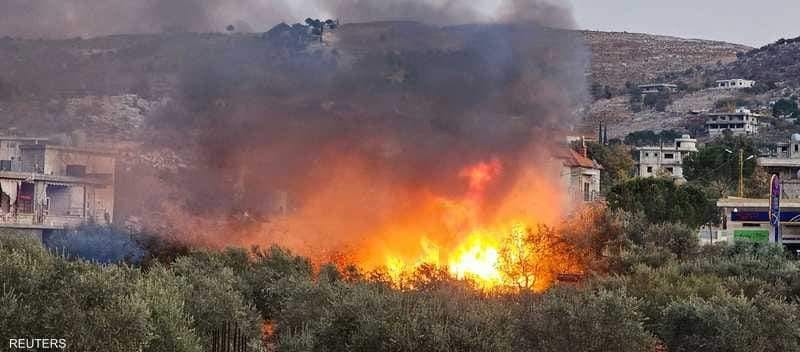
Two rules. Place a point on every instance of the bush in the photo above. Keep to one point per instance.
(785, 107)
(568, 320)
(730, 324)
(679, 239)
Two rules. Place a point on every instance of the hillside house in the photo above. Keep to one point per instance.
(658, 88)
(49, 187)
(740, 122)
(664, 159)
(580, 175)
(735, 83)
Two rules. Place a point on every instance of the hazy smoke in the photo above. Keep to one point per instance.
(70, 18)
(333, 142)
(363, 132)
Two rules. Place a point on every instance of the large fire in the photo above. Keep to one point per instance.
(461, 234)
(382, 225)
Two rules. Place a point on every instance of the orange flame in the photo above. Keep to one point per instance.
(399, 228)
(467, 245)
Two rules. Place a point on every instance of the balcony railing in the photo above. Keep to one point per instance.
(27, 219)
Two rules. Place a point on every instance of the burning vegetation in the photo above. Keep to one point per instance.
(391, 144)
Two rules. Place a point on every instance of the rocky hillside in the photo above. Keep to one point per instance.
(619, 57)
(773, 65)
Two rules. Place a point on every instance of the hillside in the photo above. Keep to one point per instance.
(775, 67)
(772, 65)
(187, 108)
(619, 57)
(149, 65)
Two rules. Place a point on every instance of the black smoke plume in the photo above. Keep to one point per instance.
(349, 132)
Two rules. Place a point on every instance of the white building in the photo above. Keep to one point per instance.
(580, 175)
(741, 122)
(735, 83)
(665, 159)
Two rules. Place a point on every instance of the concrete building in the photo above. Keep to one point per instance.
(658, 88)
(740, 122)
(748, 220)
(784, 160)
(735, 83)
(665, 159)
(50, 187)
(580, 175)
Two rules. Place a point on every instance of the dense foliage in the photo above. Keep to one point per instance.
(658, 286)
(616, 161)
(662, 201)
(715, 168)
(786, 108)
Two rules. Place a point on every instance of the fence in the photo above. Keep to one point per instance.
(229, 338)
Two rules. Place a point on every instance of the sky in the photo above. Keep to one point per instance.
(753, 23)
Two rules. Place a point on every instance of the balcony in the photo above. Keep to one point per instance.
(23, 220)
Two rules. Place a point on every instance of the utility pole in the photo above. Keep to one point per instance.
(741, 169)
(741, 172)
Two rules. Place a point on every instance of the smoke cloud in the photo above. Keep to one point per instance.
(368, 138)
(365, 140)
(89, 18)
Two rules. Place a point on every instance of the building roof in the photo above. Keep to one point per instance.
(24, 139)
(100, 179)
(571, 158)
(738, 113)
(778, 162)
(735, 202)
(658, 85)
(104, 152)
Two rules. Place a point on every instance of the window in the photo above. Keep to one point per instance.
(670, 170)
(76, 170)
(647, 155)
(669, 156)
(677, 144)
(587, 196)
(650, 169)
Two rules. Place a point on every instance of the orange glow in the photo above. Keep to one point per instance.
(477, 258)
(459, 234)
(383, 225)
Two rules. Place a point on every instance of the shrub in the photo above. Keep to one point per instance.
(569, 320)
(679, 239)
(729, 324)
